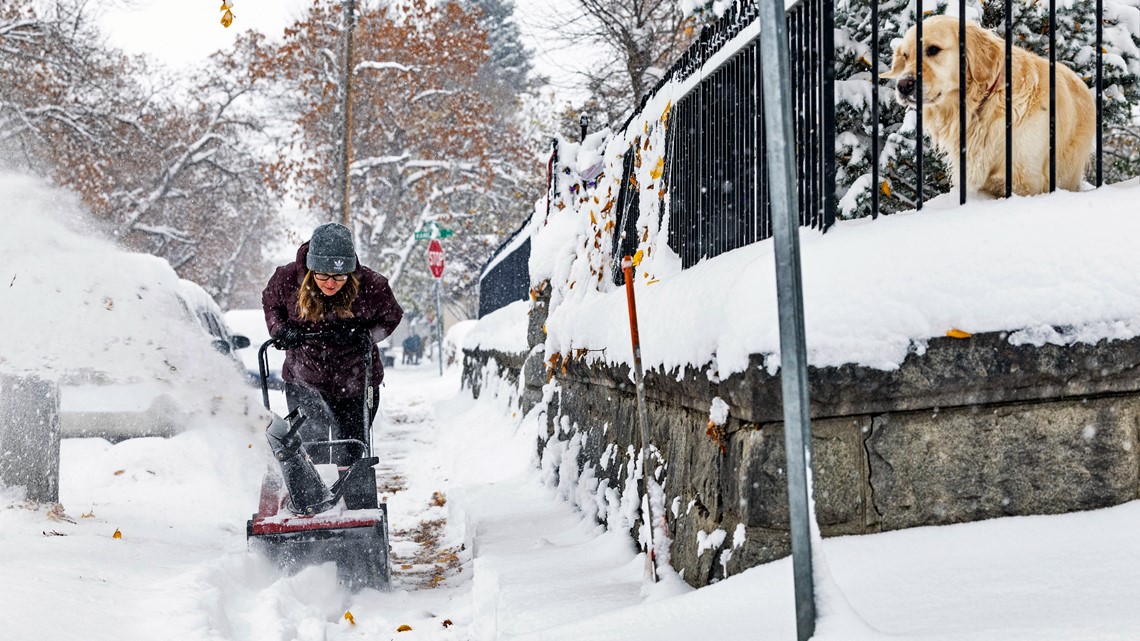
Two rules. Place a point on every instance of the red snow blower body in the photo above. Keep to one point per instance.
(301, 521)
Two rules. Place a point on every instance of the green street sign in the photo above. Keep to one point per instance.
(433, 231)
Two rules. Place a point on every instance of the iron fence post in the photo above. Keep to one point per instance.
(918, 106)
(875, 186)
(1008, 99)
(1053, 95)
(1099, 92)
(962, 102)
(827, 37)
(793, 351)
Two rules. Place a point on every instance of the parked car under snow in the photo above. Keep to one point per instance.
(162, 357)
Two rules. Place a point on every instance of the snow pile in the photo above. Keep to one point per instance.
(502, 330)
(1054, 268)
(76, 309)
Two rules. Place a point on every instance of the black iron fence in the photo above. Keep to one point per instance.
(506, 276)
(715, 167)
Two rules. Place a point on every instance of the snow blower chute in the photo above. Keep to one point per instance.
(300, 521)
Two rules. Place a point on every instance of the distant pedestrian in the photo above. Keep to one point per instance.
(409, 350)
(417, 348)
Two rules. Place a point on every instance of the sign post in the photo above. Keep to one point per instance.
(774, 78)
(435, 264)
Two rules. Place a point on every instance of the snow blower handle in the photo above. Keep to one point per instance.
(296, 340)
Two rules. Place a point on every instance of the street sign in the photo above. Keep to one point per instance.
(435, 258)
(433, 230)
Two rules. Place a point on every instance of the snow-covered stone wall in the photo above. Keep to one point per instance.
(972, 429)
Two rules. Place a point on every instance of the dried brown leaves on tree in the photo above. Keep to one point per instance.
(633, 41)
(434, 137)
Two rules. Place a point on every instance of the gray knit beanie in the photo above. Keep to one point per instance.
(331, 250)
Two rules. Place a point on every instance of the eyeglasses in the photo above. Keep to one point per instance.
(339, 278)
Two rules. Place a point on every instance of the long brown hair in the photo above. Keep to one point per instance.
(311, 301)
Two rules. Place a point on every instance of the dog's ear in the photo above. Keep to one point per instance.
(984, 56)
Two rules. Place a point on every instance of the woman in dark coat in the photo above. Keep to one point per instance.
(327, 291)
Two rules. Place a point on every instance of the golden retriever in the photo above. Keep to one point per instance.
(985, 105)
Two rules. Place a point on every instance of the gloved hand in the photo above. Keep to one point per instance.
(289, 337)
(345, 335)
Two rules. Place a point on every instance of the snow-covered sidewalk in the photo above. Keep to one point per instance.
(484, 548)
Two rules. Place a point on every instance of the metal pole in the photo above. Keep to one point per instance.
(875, 186)
(918, 107)
(1008, 99)
(439, 324)
(793, 351)
(642, 416)
(344, 151)
(962, 102)
(1099, 92)
(1053, 95)
(827, 37)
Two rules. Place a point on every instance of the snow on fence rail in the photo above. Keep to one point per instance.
(685, 177)
(716, 197)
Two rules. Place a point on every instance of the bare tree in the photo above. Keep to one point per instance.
(636, 41)
(166, 168)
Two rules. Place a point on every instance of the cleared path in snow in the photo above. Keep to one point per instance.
(481, 549)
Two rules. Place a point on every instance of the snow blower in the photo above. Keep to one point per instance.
(300, 521)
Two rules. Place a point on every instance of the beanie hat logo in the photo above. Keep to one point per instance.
(331, 250)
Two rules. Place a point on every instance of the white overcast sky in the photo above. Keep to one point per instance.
(184, 33)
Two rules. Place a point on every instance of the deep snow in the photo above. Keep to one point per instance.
(470, 505)
(532, 568)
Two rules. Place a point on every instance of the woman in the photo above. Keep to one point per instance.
(328, 293)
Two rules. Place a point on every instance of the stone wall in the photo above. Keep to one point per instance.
(971, 429)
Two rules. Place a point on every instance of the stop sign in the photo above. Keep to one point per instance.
(435, 258)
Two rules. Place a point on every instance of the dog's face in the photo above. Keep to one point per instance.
(940, 56)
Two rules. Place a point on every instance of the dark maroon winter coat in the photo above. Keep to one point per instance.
(334, 370)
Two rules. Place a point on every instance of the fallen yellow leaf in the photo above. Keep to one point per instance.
(117, 534)
(638, 256)
(658, 169)
(886, 188)
(227, 18)
(404, 628)
(348, 617)
(957, 333)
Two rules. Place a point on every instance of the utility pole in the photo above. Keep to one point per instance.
(344, 149)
